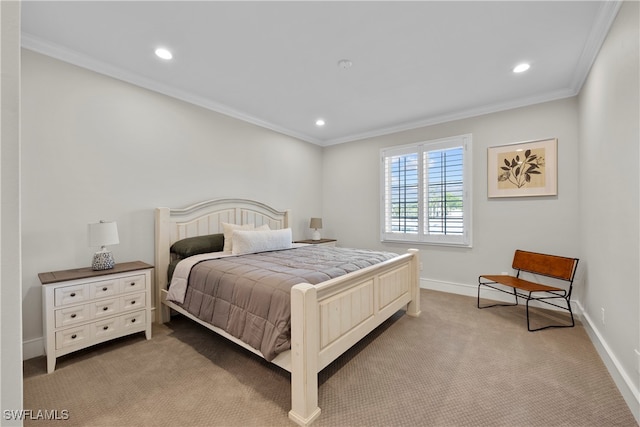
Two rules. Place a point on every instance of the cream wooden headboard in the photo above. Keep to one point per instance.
(206, 218)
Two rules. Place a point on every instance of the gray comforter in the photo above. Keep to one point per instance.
(249, 296)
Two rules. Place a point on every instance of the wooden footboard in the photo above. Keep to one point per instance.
(329, 318)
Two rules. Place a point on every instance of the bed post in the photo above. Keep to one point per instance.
(162, 244)
(413, 309)
(304, 354)
(286, 222)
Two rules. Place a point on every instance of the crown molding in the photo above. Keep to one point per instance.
(459, 115)
(39, 45)
(604, 19)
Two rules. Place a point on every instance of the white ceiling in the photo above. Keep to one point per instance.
(275, 64)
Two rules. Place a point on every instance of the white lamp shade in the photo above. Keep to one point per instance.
(103, 233)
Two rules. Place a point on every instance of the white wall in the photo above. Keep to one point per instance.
(98, 148)
(351, 209)
(595, 216)
(609, 117)
(10, 287)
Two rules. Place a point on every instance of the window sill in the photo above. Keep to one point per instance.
(419, 242)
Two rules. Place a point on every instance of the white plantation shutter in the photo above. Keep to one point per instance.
(425, 192)
(402, 191)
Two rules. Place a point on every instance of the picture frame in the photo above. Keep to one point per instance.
(523, 169)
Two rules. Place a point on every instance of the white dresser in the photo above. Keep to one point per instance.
(83, 307)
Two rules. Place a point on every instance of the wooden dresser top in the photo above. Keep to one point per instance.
(86, 272)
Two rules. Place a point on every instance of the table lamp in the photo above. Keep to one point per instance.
(101, 234)
(316, 223)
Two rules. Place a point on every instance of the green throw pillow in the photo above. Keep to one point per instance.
(198, 245)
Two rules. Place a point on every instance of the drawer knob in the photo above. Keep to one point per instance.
(133, 320)
(73, 337)
(104, 328)
(105, 308)
(73, 294)
(133, 302)
(105, 289)
(73, 316)
(132, 283)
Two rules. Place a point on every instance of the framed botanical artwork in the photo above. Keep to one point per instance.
(523, 169)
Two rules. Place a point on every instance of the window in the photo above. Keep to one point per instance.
(426, 192)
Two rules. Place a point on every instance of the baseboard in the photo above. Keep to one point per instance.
(625, 385)
(472, 291)
(452, 288)
(623, 381)
(32, 348)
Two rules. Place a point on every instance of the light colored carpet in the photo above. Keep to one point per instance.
(455, 365)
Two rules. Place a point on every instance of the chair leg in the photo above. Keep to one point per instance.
(515, 294)
(552, 326)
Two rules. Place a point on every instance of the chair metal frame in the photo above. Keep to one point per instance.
(553, 266)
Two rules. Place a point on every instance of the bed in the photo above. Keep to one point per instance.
(326, 318)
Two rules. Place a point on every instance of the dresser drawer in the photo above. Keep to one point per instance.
(132, 302)
(134, 321)
(105, 288)
(107, 328)
(72, 315)
(104, 308)
(73, 337)
(133, 283)
(70, 295)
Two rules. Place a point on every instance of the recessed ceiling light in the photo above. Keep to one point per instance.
(164, 53)
(520, 68)
(320, 122)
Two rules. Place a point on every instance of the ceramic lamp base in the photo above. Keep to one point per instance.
(315, 235)
(103, 261)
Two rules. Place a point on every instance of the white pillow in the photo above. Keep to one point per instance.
(246, 241)
(229, 228)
